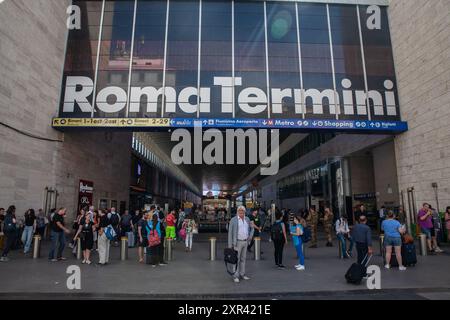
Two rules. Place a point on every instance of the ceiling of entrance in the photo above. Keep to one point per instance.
(209, 177)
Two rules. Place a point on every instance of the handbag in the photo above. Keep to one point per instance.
(183, 233)
(230, 257)
(195, 230)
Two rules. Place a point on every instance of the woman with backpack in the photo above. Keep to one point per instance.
(297, 232)
(278, 236)
(154, 240)
(189, 225)
(86, 233)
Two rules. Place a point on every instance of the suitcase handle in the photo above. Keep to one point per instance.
(367, 258)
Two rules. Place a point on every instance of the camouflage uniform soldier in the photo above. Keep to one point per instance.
(328, 225)
(312, 221)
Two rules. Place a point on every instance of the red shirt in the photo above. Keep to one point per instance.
(170, 220)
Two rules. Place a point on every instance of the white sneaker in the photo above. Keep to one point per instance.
(301, 268)
(438, 250)
(236, 280)
(402, 268)
(246, 278)
(83, 262)
(387, 266)
(88, 262)
(297, 266)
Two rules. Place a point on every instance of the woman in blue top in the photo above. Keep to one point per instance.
(297, 232)
(392, 238)
(154, 224)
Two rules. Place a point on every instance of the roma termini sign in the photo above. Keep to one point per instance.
(263, 64)
(251, 101)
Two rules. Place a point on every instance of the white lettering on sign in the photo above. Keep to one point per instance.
(250, 100)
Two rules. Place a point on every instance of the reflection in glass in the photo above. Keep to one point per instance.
(283, 59)
(148, 58)
(182, 56)
(380, 67)
(316, 60)
(115, 52)
(216, 55)
(348, 60)
(81, 52)
(250, 63)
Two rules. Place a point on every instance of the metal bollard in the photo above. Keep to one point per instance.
(169, 250)
(212, 248)
(257, 248)
(423, 244)
(79, 249)
(382, 252)
(123, 248)
(37, 247)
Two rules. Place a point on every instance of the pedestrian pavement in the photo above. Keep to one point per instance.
(191, 275)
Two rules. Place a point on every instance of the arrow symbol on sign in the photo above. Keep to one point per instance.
(264, 122)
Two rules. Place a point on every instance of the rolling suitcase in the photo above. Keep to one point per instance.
(409, 256)
(357, 271)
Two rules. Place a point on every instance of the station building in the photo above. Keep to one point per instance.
(349, 63)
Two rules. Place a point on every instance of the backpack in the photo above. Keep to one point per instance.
(153, 236)
(9, 225)
(306, 236)
(114, 219)
(276, 232)
(110, 233)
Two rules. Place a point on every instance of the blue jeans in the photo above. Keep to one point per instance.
(27, 237)
(301, 257)
(343, 241)
(56, 237)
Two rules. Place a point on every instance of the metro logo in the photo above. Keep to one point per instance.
(250, 100)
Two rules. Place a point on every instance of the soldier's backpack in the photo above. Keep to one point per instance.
(276, 232)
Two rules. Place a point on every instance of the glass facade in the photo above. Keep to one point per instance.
(322, 182)
(229, 59)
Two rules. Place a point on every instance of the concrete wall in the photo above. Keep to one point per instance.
(421, 43)
(33, 37)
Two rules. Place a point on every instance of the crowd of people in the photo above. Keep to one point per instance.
(95, 230)
(284, 223)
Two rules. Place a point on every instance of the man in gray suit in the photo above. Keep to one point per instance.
(240, 233)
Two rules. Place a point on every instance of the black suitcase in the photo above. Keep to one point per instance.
(409, 256)
(357, 271)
